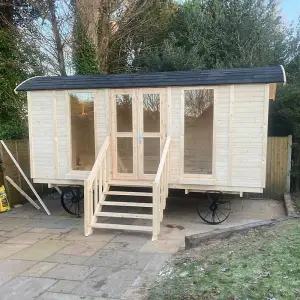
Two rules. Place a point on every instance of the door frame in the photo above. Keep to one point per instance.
(137, 131)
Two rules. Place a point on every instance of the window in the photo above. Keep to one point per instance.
(82, 131)
(198, 131)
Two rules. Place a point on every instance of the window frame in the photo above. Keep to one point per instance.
(79, 174)
(185, 178)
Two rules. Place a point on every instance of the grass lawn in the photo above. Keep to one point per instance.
(263, 265)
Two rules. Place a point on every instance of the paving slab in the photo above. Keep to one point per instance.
(120, 259)
(103, 236)
(27, 238)
(16, 232)
(132, 238)
(157, 262)
(59, 296)
(67, 259)
(82, 248)
(122, 246)
(134, 293)
(10, 224)
(7, 250)
(107, 282)
(39, 269)
(12, 268)
(41, 250)
(25, 288)
(145, 279)
(51, 223)
(162, 246)
(70, 272)
(64, 286)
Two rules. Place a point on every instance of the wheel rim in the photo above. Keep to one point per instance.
(216, 208)
(72, 200)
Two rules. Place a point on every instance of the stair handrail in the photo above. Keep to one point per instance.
(95, 186)
(163, 159)
(161, 188)
(99, 159)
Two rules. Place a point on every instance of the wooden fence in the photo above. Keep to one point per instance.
(20, 150)
(278, 166)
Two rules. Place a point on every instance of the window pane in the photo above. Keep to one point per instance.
(198, 131)
(124, 113)
(151, 155)
(151, 108)
(125, 155)
(82, 131)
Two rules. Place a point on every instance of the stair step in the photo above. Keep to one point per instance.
(131, 183)
(120, 226)
(134, 204)
(121, 193)
(124, 215)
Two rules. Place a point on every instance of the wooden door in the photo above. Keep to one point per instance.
(138, 132)
(152, 114)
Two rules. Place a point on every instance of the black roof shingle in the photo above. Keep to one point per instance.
(274, 74)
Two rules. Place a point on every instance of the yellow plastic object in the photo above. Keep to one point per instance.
(4, 204)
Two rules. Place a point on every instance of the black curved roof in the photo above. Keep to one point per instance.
(274, 74)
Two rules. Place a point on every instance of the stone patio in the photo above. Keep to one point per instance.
(47, 257)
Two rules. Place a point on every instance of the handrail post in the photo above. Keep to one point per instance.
(156, 211)
(87, 209)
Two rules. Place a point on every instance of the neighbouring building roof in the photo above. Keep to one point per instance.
(274, 74)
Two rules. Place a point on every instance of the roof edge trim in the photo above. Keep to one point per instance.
(15, 89)
(284, 74)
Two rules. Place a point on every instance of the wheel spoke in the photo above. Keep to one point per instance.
(222, 213)
(207, 214)
(217, 216)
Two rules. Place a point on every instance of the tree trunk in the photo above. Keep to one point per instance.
(58, 43)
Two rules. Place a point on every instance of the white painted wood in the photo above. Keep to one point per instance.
(124, 215)
(31, 201)
(131, 204)
(130, 183)
(289, 164)
(25, 177)
(123, 227)
(121, 193)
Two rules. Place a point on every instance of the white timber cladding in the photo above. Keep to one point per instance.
(49, 129)
(239, 136)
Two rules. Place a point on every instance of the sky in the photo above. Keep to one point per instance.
(290, 9)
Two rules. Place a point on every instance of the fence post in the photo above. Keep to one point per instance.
(289, 164)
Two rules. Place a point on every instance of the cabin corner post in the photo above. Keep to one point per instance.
(87, 209)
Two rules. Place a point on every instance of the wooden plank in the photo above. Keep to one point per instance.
(272, 91)
(133, 183)
(124, 215)
(21, 192)
(131, 204)
(119, 226)
(26, 179)
(289, 164)
(163, 160)
(121, 193)
(230, 135)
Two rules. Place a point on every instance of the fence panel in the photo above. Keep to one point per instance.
(20, 150)
(278, 166)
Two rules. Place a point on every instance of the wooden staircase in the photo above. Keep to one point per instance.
(125, 205)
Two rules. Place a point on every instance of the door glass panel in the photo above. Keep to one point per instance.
(198, 131)
(151, 155)
(124, 113)
(125, 155)
(82, 131)
(151, 112)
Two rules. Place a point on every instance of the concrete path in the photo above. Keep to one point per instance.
(48, 258)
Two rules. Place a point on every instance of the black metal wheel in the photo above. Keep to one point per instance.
(72, 200)
(216, 209)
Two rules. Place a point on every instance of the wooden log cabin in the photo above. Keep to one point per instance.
(195, 130)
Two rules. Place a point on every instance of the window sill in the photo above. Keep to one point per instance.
(200, 181)
(78, 175)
